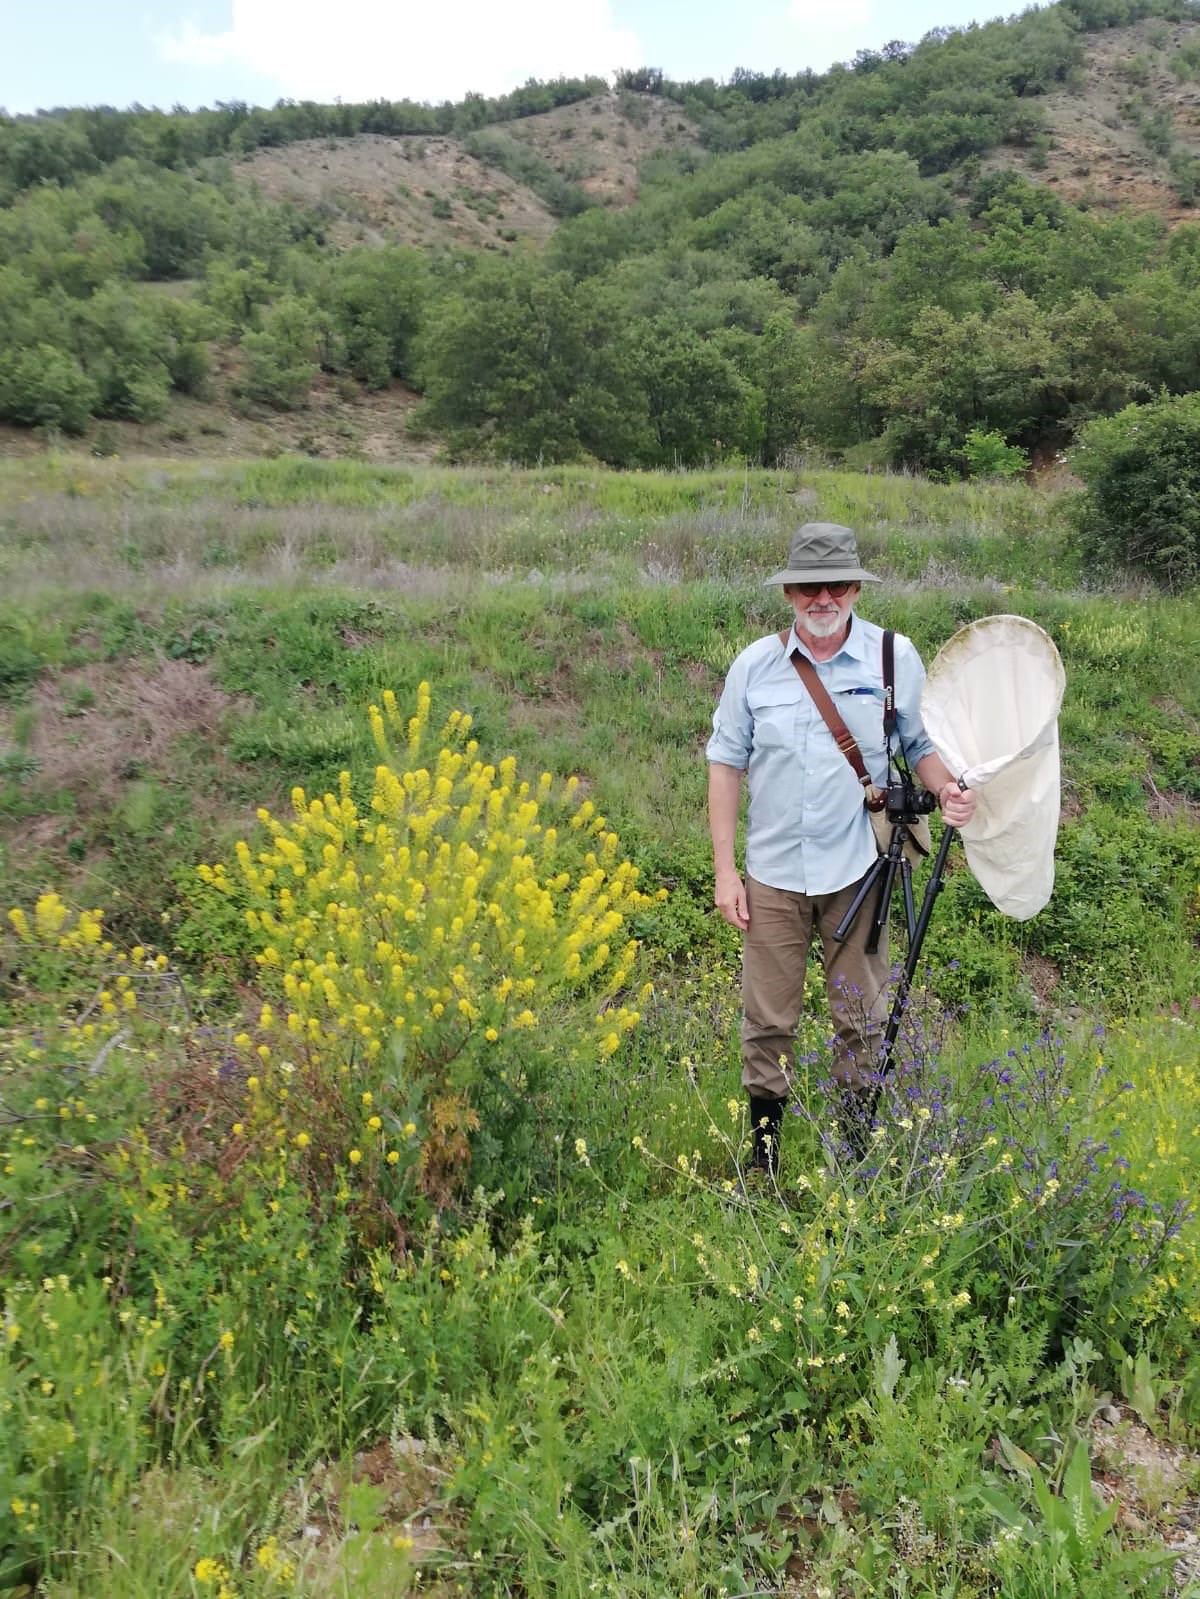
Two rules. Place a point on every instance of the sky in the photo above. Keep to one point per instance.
(196, 52)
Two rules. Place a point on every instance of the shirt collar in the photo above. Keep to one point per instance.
(853, 644)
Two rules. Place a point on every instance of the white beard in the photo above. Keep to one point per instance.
(823, 626)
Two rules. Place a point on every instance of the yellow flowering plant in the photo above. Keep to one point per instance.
(419, 945)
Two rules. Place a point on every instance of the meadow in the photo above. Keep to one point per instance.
(371, 1220)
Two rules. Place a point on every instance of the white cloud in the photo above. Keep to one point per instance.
(396, 49)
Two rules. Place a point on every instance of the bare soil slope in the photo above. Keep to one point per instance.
(600, 143)
(425, 191)
(1098, 152)
(378, 190)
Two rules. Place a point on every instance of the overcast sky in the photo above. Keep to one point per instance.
(195, 52)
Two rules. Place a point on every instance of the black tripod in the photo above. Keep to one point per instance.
(883, 873)
(882, 876)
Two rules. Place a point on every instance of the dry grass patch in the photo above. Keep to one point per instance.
(409, 189)
(95, 727)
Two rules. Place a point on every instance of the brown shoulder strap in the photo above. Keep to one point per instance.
(842, 736)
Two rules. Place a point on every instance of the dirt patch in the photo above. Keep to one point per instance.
(1164, 804)
(431, 192)
(96, 727)
(373, 189)
(339, 1523)
(1043, 977)
(1155, 1484)
(601, 143)
(336, 421)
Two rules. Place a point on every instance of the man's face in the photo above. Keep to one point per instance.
(822, 615)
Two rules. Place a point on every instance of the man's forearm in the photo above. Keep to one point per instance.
(957, 804)
(724, 796)
(934, 773)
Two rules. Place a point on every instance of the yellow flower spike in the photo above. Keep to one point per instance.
(355, 1157)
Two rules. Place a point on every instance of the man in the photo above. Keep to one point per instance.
(809, 840)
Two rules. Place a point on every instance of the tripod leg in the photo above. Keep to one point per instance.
(883, 904)
(910, 914)
(932, 889)
(856, 904)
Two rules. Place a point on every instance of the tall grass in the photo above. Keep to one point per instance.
(594, 1365)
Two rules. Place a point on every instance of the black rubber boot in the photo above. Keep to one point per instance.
(766, 1120)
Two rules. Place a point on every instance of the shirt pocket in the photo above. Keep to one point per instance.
(778, 719)
(863, 715)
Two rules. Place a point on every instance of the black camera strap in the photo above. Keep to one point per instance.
(889, 686)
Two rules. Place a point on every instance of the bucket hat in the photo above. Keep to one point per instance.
(823, 552)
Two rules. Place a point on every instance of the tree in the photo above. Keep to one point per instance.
(955, 373)
(780, 374)
(124, 350)
(280, 357)
(1141, 508)
(378, 300)
(506, 357)
(45, 387)
(697, 404)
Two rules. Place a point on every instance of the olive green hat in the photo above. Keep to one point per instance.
(823, 552)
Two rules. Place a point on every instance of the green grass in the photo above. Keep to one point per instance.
(600, 1374)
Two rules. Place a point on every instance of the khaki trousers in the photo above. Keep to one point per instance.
(774, 954)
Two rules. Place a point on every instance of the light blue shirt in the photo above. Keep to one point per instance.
(807, 830)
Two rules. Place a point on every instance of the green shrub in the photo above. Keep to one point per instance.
(46, 387)
(441, 915)
(988, 454)
(1142, 505)
(281, 356)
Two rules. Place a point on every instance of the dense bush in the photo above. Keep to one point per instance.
(417, 951)
(42, 386)
(281, 355)
(1142, 506)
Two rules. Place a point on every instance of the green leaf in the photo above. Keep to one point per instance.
(1015, 1458)
(1077, 1484)
(1002, 1507)
(888, 1366)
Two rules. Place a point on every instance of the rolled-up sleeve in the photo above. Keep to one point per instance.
(910, 680)
(733, 726)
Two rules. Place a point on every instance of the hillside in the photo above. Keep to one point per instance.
(1095, 149)
(409, 190)
(991, 232)
(446, 192)
(1092, 149)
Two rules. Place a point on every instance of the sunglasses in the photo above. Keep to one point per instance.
(811, 590)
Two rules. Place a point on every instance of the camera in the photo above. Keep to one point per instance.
(904, 801)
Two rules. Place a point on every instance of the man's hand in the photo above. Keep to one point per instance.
(958, 804)
(730, 899)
